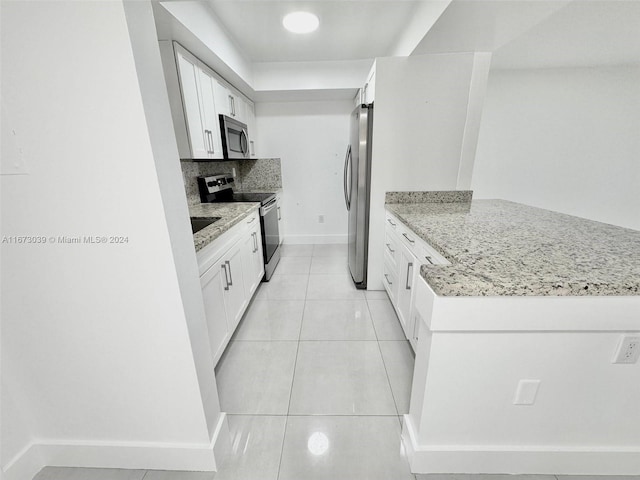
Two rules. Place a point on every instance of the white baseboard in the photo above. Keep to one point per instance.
(25, 465)
(512, 459)
(133, 455)
(314, 239)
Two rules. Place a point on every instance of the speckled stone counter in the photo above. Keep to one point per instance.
(501, 248)
(230, 214)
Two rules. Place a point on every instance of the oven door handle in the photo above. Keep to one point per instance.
(267, 208)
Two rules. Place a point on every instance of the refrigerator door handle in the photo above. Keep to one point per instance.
(347, 161)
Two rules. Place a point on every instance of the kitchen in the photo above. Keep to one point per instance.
(102, 316)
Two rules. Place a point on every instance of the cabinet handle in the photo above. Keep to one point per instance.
(387, 279)
(392, 224)
(279, 214)
(232, 107)
(252, 220)
(230, 276)
(410, 266)
(255, 242)
(390, 249)
(410, 241)
(226, 282)
(211, 141)
(429, 259)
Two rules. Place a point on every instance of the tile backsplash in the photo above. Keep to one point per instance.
(259, 174)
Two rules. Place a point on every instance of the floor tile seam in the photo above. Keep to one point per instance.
(375, 330)
(393, 395)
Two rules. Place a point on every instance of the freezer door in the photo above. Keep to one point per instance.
(357, 194)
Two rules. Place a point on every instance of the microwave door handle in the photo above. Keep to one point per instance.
(244, 144)
(346, 169)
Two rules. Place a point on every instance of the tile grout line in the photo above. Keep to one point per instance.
(384, 364)
(293, 377)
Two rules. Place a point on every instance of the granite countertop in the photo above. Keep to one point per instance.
(230, 214)
(501, 248)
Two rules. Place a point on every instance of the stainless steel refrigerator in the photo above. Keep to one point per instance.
(357, 186)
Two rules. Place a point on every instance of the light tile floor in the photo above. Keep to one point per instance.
(314, 380)
(333, 411)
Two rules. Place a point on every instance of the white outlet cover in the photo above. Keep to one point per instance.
(526, 392)
(628, 350)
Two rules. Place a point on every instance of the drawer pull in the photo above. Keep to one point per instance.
(226, 280)
(410, 240)
(390, 249)
(429, 259)
(230, 277)
(252, 220)
(409, 268)
(387, 279)
(392, 224)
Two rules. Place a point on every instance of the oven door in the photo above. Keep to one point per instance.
(270, 232)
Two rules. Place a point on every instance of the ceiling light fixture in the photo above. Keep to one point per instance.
(300, 22)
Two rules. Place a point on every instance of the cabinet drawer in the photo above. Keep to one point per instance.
(390, 281)
(429, 256)
(391, 247)
(392, 222)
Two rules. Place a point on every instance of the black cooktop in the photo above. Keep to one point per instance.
(252, 197)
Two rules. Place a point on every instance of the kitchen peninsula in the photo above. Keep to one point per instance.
(518, 332)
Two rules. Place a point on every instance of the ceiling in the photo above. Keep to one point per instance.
(349, 30)
(582, 33)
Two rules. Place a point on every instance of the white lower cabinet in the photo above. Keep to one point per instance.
(213, 284)
(231, 269)
(404, 254)
(405, 292)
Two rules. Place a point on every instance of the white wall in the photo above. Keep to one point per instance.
(311, 139)
(94, 339)
(563, 139)
(419, 123)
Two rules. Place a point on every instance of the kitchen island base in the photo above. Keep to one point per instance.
(472, 353)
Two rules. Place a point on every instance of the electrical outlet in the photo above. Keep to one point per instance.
(628, 350)
(320, 218)
(526, 392)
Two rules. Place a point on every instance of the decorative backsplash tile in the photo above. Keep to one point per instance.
(439, 196)
(262, 173)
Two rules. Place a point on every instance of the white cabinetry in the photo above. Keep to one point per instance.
(404, 254)
(198, 96)
(201, 117)
(231, 268)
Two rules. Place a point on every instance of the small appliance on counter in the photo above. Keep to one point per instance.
(219, 188)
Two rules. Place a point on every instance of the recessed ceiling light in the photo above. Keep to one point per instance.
(300, 22)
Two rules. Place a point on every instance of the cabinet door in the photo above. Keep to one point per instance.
(252, 258)
(213, 284)
(190, 88)
(222, 98)
(406, 276)
(235, 298)
(211, 125)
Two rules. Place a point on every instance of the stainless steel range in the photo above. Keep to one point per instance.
(219, 188)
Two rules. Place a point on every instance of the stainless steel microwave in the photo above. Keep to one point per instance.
(235, 138)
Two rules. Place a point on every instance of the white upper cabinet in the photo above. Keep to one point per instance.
(198, 96)
(209, 115)
(198, 100)
(191, 99)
